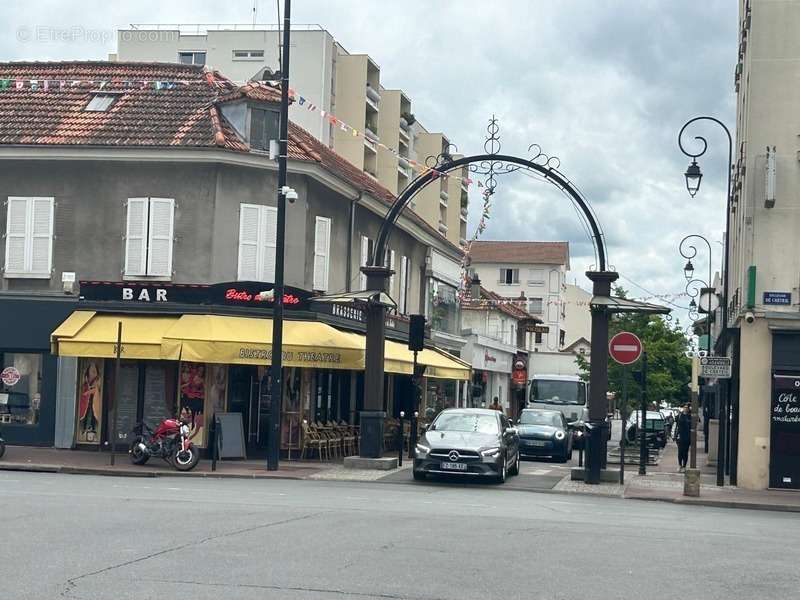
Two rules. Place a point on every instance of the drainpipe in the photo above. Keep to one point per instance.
(350, 232)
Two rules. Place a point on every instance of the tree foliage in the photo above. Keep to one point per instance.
(668, 367)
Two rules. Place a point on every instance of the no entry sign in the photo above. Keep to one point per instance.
(625, 348)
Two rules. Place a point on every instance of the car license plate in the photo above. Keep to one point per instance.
(537, 443)
(451, 466)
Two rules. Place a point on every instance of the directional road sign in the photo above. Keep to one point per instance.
(715, 367)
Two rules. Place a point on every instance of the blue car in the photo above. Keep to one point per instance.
(544, 433)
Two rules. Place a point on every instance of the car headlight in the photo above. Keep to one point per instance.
(422, 451)
(560, 435)
(492, 452)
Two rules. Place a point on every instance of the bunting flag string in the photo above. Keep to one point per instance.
(52, 85)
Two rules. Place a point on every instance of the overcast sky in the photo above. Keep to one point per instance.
(603, 85)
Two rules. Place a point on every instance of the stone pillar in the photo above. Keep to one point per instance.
(598, 377)
(373, 415)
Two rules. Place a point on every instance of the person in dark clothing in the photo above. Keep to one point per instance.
(683, 434)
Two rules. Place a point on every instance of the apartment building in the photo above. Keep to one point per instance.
(345, 85)
(170, 229)
(764, 251)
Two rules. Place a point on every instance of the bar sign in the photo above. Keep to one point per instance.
(782, 298)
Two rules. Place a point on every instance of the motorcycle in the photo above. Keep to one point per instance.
(169, 441)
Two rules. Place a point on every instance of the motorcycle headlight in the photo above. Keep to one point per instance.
(579, 433)
(422, 451)
(492, 452)
(560, 435)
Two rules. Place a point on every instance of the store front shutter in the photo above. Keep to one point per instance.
(41, 235)
(269, 240)
(321, 253)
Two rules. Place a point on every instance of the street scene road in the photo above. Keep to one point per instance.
(244, 539)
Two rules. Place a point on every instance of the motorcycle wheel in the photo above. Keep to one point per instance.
(2, 448)
(186, 460)
(137, 456)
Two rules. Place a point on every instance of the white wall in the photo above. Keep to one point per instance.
(577, 317)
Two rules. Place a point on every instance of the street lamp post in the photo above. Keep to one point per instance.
(276, 385)
(693, 178)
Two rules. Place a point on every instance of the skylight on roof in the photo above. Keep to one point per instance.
(100, 102)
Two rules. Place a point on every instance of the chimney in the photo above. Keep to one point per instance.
(475, 288)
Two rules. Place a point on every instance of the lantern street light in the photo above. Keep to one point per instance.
(693, 177)
(688, 270)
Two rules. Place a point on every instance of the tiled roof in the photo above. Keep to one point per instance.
(157, 105)
(552, 253)
(509, 306)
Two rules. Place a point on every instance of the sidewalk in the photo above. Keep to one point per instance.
(52, 460)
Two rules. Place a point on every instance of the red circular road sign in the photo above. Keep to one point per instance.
(625, 348)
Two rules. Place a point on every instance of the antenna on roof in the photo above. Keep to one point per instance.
(255, 12)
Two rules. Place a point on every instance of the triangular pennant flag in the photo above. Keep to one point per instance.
(355, 133)
(342, 126)
(302, 101)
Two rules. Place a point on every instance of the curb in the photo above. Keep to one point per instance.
(104, 472)
(790, 508)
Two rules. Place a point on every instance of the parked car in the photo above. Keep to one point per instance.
(468, 441)
(656, 427)
(544, 433)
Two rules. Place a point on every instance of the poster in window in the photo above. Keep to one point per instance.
(90, 400)
(217, 388)
(192, 398)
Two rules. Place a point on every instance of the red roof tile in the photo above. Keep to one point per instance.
(554, 253)
(179, 111)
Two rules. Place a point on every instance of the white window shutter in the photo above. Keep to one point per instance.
(159, 247)
(364, 259)
(136, 237)
(41, 224)
(322, 241)
(391, 277)
(249, 215)
(16, 234)
(401, 293)
(269, 234)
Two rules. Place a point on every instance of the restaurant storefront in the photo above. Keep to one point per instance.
(194, 351)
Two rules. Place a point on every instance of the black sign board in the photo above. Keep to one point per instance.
(230, 435)
(236, 293)
(784, 460)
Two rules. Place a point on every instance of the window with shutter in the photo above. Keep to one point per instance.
(364, 259)
(257, 242)
(391, 277)
(149, 236)
(322, 241)
(159, 243)
(29, 237)
(401, 293)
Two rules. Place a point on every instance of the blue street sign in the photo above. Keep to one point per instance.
(784, 298)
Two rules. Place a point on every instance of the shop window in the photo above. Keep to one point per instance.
(443, 307)
(538, 338)
(29, 237)
(258, 227)
(21, 388)
(148, 237)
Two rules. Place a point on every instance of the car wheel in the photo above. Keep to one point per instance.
(515, 467)
(418, 475)
(501, 478)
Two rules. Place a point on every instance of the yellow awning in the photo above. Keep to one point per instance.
(399, 359)
(246, 340)
(86, 333)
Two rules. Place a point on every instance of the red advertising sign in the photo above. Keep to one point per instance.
(10, 376)
(625, 348)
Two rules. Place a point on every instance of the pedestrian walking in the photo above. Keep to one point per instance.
(683, 435)
(495, 405)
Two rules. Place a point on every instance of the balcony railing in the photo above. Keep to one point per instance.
(373, 97)
(464, 213)
(443, 197)
(442, 227)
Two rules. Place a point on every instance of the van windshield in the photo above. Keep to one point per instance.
(552, 391)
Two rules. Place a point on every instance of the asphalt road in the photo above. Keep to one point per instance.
(93, 537)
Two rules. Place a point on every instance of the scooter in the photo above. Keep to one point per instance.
(170, 441)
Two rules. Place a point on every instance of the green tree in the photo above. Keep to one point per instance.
(668, 368)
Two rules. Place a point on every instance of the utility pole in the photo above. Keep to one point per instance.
(276, 391)
(643, 420)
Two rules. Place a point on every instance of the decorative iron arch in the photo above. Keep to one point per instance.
(493, 163)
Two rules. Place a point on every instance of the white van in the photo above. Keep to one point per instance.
(564, 393)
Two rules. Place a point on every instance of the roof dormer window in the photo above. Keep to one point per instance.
(263, 127)
(100, 102)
